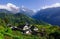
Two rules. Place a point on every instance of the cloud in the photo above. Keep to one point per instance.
(34, 10)
(10, 7)
(51, 6)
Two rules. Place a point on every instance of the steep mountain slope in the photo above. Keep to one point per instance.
(17, 18)
(22, 10)
(4, 10)
(9, 7)
(26, 11)
(49, 15)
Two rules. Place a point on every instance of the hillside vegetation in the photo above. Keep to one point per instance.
(46, 31)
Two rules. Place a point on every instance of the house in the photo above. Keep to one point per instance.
(34, 30)
(25, 29)
(30, 29)
(12, 27)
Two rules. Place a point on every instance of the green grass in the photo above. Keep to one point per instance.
(7, 33)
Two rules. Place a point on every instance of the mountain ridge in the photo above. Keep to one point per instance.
(49, 15)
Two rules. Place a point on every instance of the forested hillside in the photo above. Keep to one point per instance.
(45, 31)
(18, 18)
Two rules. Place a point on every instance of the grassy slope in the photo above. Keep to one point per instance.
(7, 33)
